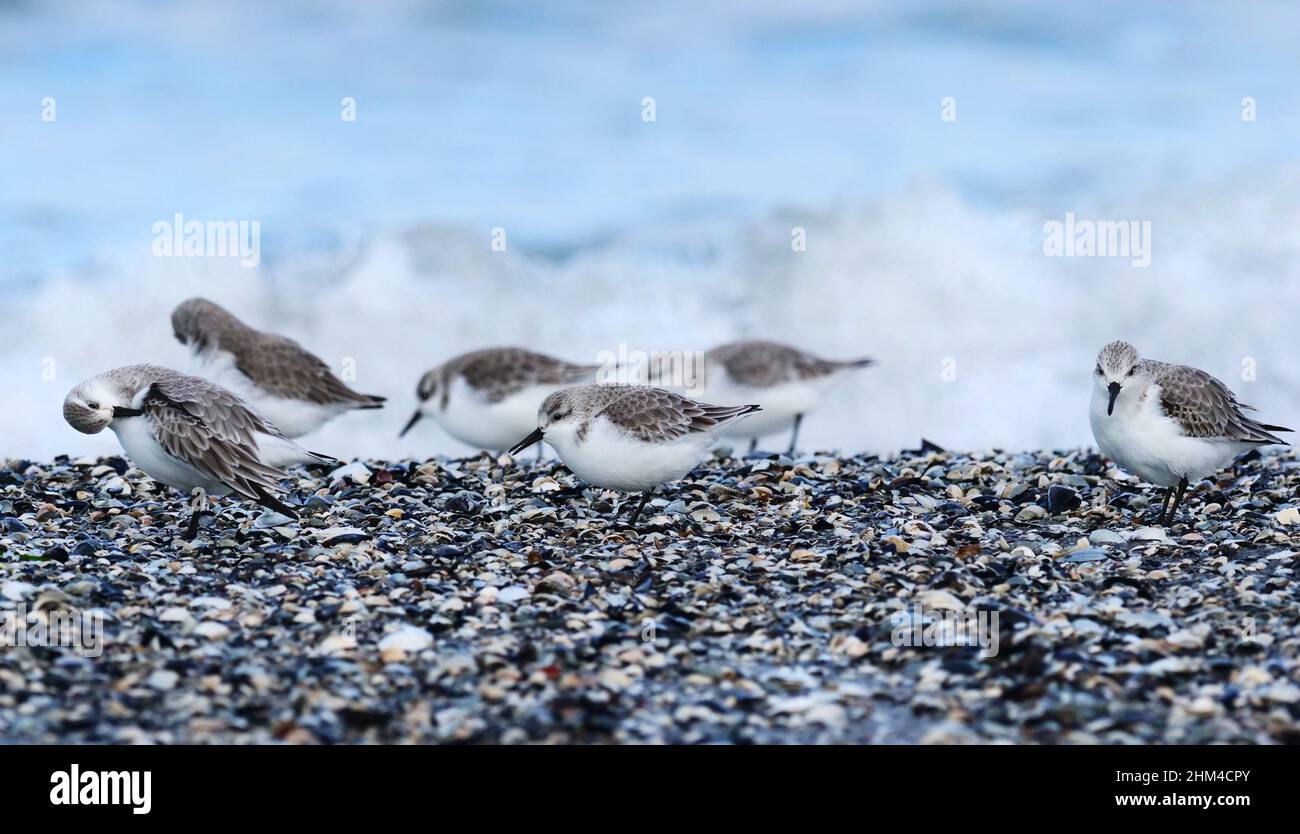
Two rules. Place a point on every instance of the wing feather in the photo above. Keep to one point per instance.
(212, 430)
(1207, 408)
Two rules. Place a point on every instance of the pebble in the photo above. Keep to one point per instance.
(408, 639)
(484, 600)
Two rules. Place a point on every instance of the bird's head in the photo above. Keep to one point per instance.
(1118, 367)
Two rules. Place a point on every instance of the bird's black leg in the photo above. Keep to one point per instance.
(1164, 506)
(198, 506)
(753, 444)
(794, 435)
(1178, 499)
(636, 514)
(192, 529)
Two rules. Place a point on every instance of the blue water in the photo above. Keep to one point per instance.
(528, 117)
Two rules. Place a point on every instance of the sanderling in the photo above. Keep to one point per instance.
(188, 433)
(1168, 424)
(631, 438)
(786, 381)
(282, 382)
(488, 398)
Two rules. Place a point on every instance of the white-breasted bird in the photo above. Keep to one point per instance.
(1168, 424)
(630, 438)
(187, 433)
(488, 398)
(278, 377)
(787, 382)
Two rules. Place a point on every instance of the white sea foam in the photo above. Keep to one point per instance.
(917, 279)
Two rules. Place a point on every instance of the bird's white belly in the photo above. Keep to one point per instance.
(137, 439)
(1145, 443)
(293, 417)
(493, 426)
(611, 459)
(781, 403)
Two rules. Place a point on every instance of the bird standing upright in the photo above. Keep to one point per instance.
(785, 381)
(1169, 424)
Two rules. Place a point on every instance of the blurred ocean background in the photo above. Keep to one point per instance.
(924, 237)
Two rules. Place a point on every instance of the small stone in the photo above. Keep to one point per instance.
(557, 582)
(1061, 499)
(356, 472)
(17, 591)
(335, 536)
(212, 630)
(1031, 512)
(407, 639)
(512, 593)
(1089, 554)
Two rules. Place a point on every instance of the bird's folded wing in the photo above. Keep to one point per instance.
(654, 415)
(284, 367)
(499, 373)
(1206, 408)
(213, 431)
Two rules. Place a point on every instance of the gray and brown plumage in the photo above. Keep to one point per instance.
(786, 381)
(488, 398)
(279, 378)
(188, 433)
(1205, 407)
(1169, 424)
(630, 437)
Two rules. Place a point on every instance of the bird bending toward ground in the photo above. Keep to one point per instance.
(275, 375)
(187, 433)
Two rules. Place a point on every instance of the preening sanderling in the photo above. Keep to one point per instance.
(187, 433)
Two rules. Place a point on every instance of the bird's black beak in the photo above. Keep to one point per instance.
(415, 418)
(535, 437)
(122, 411)
(1114, 392)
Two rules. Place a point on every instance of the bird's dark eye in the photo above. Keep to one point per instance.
(1098, 370)
(93, 406)
(1132, 370)
(557, 417)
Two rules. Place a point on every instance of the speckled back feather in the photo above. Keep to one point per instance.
(499, 372)
(274, 363)
(654, 415)
(1204, 406)
(762, 364)
(203, 425)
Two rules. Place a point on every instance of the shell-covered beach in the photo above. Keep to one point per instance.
(493, 601)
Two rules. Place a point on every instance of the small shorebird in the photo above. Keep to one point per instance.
(1168, 424)
(187, 433)
(488, 398)
(284, 383)
(631, 438)
(786, 381)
